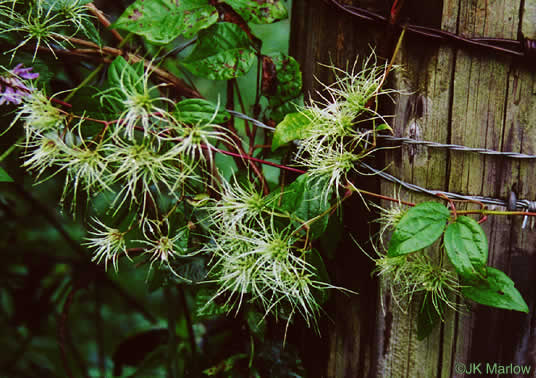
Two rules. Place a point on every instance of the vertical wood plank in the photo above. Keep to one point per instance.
(479, 112)
(422, 112)
(528, 21)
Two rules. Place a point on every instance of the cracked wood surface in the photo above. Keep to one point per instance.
(449, 96)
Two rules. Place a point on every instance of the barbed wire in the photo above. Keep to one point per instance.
(524, 48)
(512, 203)
(455, 147)
(405, 140)
(252, 120)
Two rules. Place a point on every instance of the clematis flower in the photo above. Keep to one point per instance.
(107, 242)
(12, 88)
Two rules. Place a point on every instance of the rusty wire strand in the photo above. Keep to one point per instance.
(525, 48)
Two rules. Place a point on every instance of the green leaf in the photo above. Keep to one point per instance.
(86, 102)
(259, 11)
(497, 290)
(277, 112)
(383, 127)
(314, 258)
(305, 199)
(418, 228)
(4, 177)
(161, 21)
(198, 15)
(427, 319)
(195, 110)
(467, 247)
(256, 324)
(121, 73)
(206, 307)
(222, 52)
(281, 84)
(294, 126)
(281, 77)
(121, 76)
(91, 32)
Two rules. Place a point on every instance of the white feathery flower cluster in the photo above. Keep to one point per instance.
(265, 266)
(139, 166)
(108, 244)
(144, 155)
(239, 204)
(144, 168)
(258, 256)
(162, 244)
(420, 274)
(39, 115)
(334, 141)
(46, 24)
(143, 110)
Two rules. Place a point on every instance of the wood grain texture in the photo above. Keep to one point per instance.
(422, 111)
(528, 17)
(449, 96)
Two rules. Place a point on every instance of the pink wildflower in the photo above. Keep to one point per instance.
(12, 88)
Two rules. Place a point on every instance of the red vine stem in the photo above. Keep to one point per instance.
(63, 103)
(483, 212)
(395, 11)
(238, 141)
(451, 202)
(103, 20)
(248, 157)
(387, 198)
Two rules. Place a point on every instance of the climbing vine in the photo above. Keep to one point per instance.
(198, 191)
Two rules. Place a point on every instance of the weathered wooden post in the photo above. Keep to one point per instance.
(454, 94)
